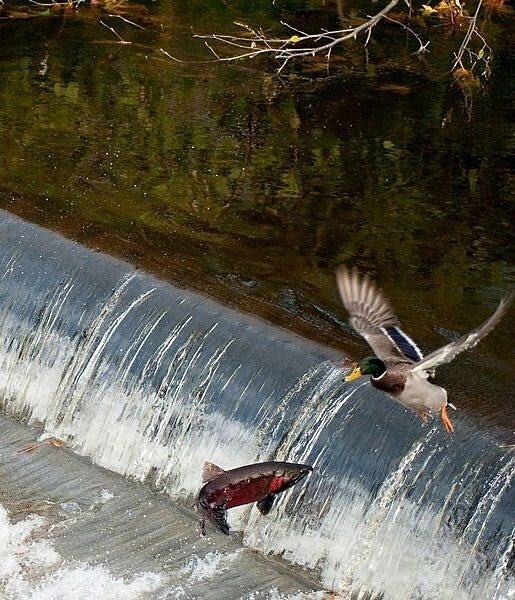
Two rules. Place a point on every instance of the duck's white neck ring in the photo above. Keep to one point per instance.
(380, 376)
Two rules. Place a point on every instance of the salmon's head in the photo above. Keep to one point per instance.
(289, 475)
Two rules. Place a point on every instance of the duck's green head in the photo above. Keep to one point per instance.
(371, 365)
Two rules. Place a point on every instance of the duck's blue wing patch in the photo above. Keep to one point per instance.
(404, 343)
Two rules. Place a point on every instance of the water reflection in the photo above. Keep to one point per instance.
(253, 188)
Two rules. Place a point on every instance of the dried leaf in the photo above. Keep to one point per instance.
(427, 10)
(55, 442)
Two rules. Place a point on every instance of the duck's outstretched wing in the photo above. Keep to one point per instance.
(447, 353)
(372, 316)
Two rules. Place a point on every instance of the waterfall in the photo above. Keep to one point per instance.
(150, 380)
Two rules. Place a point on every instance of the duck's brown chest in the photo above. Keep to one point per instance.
(391, 383)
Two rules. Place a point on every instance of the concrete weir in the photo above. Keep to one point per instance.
(149, 381)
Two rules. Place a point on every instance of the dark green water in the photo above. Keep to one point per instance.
(254, 188)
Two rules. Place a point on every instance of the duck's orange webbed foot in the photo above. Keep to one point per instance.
(447, 423)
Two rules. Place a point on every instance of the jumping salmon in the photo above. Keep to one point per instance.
(259, 482)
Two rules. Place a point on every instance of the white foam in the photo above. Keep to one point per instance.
(105, 496)
(31, 569)
(91, 583)
(275, 594)
(201, 569)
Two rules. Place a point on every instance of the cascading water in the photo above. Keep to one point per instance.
(150, 381)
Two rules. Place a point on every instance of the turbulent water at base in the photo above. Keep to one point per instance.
(150, 381)
(30, 568)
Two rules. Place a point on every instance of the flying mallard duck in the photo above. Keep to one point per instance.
(399, 367)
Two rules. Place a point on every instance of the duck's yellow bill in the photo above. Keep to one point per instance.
(354, 375)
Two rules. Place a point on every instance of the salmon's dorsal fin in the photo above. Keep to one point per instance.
(210, 471)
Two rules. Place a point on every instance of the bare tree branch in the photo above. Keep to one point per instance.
(301, 44)
(254, 42)
(70, 3)
(484, 54)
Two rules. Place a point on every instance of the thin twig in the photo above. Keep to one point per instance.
(422, 46)
(113, 30)
(127, 21)
(294, 28)
(212, 50)
(173, 57)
